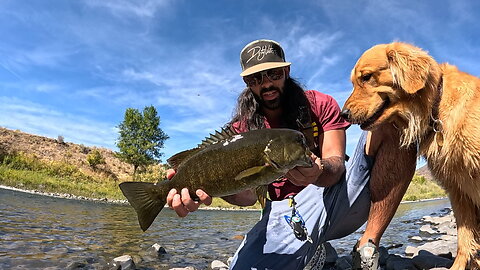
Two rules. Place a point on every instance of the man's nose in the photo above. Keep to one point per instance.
(265, 81)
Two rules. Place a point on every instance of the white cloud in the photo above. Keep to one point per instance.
(146, 8)
(37, 119)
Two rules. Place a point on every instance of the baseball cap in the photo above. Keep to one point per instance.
(261, 55)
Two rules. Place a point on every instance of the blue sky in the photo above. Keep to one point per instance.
(72, 68)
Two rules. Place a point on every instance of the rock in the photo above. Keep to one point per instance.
(411, 251)
(124, 262)
(416, 238)
(443, 219)
(76, 265)
(427, 229)
(344, 263)
(449, 238)
(184, 268)
(229, 261)
(395, 262)
(427, 219)
(218, 265)
(238, 237)
(440, 248)
(427, 260)
(383, 255)
(156, 250)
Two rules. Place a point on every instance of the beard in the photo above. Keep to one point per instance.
(271, 104)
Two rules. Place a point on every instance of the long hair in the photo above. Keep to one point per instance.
(295, 107)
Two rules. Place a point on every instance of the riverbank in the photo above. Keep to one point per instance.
(49, 232)
(433, 247)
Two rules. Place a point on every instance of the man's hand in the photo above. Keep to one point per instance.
(181, 202)
(303, 176)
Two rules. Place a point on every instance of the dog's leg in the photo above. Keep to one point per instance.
(391, 174)
(465, 213)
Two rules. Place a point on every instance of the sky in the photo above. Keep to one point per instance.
(72, 68)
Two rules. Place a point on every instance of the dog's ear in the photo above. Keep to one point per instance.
(410, 66)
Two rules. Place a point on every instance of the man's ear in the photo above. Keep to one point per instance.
(410, 66)
(287, 72)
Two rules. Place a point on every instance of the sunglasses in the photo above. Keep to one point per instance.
(257, 78)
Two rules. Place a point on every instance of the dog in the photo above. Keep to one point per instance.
(437, 109)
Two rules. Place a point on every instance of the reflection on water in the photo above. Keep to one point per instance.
(40, 232)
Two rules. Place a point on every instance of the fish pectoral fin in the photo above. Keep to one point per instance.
(251, 171)
(267, 152)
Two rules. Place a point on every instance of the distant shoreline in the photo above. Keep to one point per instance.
(105, 200)
(125, 202)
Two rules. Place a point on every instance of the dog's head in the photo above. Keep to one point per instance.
(393, 83)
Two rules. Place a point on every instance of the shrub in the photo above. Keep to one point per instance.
(95, 158)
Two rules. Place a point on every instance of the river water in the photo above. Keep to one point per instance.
(40, 232)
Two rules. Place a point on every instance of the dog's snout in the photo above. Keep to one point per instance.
(345, 113)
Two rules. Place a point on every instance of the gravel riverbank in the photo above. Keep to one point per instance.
(434, 247)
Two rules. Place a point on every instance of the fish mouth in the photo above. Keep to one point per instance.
(372, 119)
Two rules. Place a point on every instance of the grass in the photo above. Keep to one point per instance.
(28, 172)
(421, 188)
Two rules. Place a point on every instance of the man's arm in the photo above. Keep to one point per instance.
(327, 170)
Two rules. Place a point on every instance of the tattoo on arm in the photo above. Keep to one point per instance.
(333, 168)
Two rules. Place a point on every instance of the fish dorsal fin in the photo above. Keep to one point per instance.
(178, 158)
(224, 134)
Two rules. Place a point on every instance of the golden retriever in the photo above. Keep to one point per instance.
(437, 108)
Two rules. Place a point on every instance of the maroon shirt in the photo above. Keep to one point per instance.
(326, 115)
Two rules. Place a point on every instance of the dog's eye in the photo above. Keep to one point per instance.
(366, 77)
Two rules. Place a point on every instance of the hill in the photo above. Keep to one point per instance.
(48, 149)
(425, 172)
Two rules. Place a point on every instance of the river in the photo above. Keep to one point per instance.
(41, 232)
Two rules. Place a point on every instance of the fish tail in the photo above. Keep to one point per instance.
(147, 200)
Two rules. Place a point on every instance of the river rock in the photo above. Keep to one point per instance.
(411, 251)
(124, 262)
(416, 239)
(344, 263)
(156, 250)
(395, 262)
(440, 248)
(218, 265)
(427, 260)
(427, 230)
(76, 265)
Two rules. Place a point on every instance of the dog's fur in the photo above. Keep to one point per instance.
(401, 84)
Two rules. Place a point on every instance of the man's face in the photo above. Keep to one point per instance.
(268, 86)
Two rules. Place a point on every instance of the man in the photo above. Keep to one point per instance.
(311, 205)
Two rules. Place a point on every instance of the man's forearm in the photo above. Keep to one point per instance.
(333, 168)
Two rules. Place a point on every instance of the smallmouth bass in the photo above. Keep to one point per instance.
(223, 164)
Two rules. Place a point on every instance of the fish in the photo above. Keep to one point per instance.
(225, 163)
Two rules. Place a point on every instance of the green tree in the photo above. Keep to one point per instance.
(141, 138)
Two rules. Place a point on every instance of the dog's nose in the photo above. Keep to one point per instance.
(345, 113)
